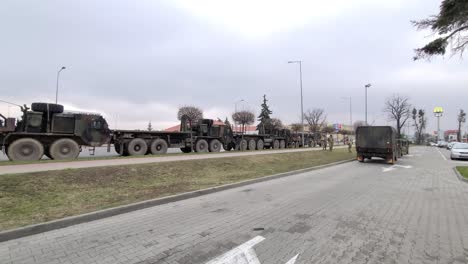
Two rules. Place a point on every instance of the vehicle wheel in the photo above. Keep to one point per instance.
(25, 149)
(215, 145)
(243, 145)
(252, 145)
(158, 146)
(137, 146)
(228, 147)
(260, 144)
(297, 145)
(64, 148)
(186, 149)
(44, 107)
(117, 149)
(201, 146)
(276, 144)
(282, 144)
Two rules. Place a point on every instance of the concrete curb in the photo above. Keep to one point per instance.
(83, 218)
(460, 177)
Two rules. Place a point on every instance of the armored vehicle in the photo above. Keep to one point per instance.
(46, 130)
(377, 141)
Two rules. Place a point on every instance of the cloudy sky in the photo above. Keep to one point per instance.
(136, 61)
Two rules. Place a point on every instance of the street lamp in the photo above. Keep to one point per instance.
(56, 89)
(367, 86)
(302, 106)
(438, 111)
(350, 110)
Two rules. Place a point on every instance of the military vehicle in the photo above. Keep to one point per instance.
(46, 130)
(201, 136)
(377, 141)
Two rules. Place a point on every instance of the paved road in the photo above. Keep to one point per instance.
(416, 212)
(21, 168)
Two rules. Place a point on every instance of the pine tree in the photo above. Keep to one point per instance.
(150, 127)
(264, 117)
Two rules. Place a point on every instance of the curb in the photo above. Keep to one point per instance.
(88, 217)
(460, 177)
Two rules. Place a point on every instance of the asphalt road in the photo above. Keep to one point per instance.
(414, 212)
(75, 164)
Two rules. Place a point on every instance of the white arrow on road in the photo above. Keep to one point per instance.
(244, 254)
(387, 169)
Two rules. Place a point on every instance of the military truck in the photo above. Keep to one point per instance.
(377, 141)
(201, 136)
(46, 129)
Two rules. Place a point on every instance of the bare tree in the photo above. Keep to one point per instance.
(398, 109)
(461, 119)
(296, 127)
(358, 124)
(276, 124)
(192, 112)
(315, 118)
(244, 118)
(419, 120)
(328, 129)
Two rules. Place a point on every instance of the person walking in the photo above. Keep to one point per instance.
(330, 141)
(324, 142)
(350, 145)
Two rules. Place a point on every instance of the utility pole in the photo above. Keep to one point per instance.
(302, 101)
(367, 86)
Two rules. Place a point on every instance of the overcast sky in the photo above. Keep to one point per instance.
(136, 61)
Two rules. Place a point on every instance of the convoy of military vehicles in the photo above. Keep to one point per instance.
(45, 129)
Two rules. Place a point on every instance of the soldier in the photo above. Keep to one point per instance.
(324, 142)
(350, 144)
(330, 141)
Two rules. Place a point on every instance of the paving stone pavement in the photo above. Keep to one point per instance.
(350, 213)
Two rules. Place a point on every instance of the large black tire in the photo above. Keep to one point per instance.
(186, 149)
(137, 146)
(25, 149)
(117, 149)
(201, 146)
(64, 148)
(243, 145)
(228, 147)
(252, 145)
(158, 147)
(297, 144)
(44, 107)
(276, 144)
(215, 145)
(260, 144)
(282, 144)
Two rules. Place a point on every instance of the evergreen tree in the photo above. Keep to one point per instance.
(264, 117)
(150, 127)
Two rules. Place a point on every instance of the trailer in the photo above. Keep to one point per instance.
(377, 141)
(203, 136)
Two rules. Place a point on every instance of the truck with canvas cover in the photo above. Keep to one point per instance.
(377, 141)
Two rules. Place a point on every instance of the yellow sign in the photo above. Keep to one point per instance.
(438, 109)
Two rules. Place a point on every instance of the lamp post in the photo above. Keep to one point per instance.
(56, 89)
(367, 86)
(350, 110)
(302, 105)
(438, 112)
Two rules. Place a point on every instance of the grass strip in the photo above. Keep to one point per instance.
(32, 198)
(463, 170)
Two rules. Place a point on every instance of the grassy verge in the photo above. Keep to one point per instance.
(43, 196)
(463, 170)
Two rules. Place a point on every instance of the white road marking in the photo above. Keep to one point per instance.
(387, 169)
(443, 156)
(244, 254)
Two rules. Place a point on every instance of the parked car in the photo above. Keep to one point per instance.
(450, 145)
(442, 144)
(459, 151)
